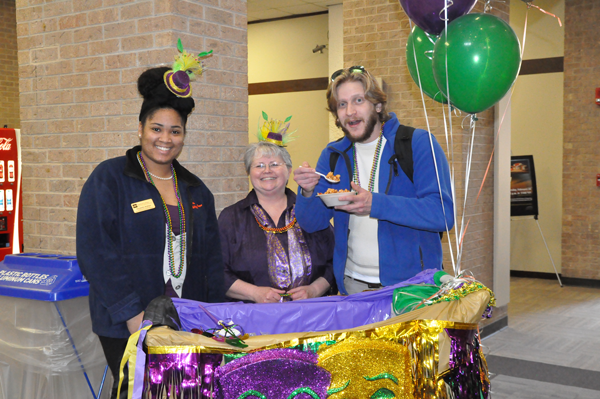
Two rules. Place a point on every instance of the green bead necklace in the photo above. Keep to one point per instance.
(181, 212)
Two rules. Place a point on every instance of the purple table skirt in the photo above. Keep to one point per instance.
(317, 314)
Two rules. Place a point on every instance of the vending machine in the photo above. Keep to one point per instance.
(11, 209)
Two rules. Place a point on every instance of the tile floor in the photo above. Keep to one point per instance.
(551, 325)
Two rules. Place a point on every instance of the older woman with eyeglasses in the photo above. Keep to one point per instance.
(267, 256)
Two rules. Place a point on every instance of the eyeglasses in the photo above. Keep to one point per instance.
(352, 69)
(271, 165)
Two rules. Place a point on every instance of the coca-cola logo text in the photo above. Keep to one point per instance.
(5, 143)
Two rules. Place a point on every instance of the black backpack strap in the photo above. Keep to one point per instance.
(402, 154)
(403, 149)
(333, 158)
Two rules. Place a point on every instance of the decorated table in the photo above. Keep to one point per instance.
(355, 346)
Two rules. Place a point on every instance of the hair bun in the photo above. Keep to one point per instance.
(151, 80)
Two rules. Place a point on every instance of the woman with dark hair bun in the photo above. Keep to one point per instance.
(146, 226)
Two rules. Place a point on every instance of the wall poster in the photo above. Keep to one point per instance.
(523, 188)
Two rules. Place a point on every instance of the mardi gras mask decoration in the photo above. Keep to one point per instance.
(367, 368)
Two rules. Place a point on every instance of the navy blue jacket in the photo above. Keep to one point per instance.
(121, 252)
(410, 215)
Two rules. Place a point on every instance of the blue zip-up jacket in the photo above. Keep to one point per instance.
(121, 252)
(410, 215)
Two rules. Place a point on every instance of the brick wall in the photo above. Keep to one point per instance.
(9, 71)
(79, 61)
(581, 136)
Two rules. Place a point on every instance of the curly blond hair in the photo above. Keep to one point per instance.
(373, 92)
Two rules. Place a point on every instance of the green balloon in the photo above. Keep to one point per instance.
(420, 47)
(483, 57)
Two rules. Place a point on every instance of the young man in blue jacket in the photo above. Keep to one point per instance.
(390, 230)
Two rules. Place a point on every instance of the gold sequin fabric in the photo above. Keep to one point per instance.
(365, 368)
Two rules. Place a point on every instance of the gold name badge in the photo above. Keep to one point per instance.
(142, 206)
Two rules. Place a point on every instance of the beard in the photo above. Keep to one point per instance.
(366, 134)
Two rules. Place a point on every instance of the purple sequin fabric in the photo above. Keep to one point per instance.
(181, 375)
(466, 377)
(274, 373)
(286, 272)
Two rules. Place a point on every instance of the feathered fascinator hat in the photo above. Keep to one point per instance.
(185, 69)
(275, 131)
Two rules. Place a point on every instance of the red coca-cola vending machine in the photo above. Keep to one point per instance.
(11, 209)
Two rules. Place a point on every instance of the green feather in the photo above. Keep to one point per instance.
(265, 116)
(287, 119)
(179, 45)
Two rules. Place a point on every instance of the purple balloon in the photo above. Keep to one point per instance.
(429, 14)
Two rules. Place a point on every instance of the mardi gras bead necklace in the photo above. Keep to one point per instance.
(181, 212)
(356, 176)
(276, 230)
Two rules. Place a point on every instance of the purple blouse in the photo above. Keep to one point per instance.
(244, 245)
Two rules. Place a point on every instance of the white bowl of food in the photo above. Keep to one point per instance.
(332, 197)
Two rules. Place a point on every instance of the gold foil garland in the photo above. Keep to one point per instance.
(413, 344)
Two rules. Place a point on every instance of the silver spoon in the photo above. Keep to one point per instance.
(326, 178)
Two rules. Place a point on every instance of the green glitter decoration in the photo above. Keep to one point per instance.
(336, 390)
(383, 393)
(252, 392)
(383, 376)
(307, 391)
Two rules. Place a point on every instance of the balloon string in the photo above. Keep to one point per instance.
(437, 174)
(466, 188)
(462, 236)
(431, 41)
(450, 149)
(444, 10)
(487, 7)
(455, 264)
(524, 39)
(529, 4)
(497, 134)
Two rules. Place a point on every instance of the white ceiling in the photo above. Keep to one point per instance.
(268, 9)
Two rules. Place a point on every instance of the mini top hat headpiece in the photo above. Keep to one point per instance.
(185, 69)
(275, 131)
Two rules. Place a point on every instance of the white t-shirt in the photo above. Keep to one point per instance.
(363, 248)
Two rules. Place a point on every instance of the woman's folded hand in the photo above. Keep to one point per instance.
(267, 295)
(316, 289)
